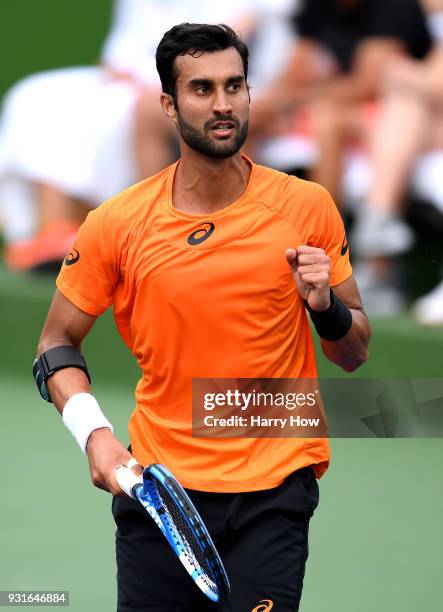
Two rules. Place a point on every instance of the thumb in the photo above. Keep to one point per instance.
(138, 470)
(135, 466)
(291, 258)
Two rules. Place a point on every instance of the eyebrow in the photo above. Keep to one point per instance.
(199, 82)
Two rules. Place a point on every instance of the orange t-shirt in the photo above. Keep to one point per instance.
(224, 307)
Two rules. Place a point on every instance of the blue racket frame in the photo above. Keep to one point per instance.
(148, 496)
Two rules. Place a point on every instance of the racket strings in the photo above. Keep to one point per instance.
(195, 549)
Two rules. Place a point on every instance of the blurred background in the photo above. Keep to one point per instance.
(345, 92)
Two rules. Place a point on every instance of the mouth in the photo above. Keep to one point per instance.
(223, 129)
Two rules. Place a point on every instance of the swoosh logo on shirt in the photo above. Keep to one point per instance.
(201, 234)
(72, 257)
(344, 246)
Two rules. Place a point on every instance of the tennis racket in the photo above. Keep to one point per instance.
(168, 504)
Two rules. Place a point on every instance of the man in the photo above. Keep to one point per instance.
(72, 137)
(193, 261)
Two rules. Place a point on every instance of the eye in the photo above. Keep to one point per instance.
(202, 89)
(234, 87)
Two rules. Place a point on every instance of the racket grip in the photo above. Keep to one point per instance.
(127, 480)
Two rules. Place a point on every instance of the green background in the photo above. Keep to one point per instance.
(376, 537)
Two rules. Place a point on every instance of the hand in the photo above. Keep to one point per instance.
(310, 269)
(105, 453)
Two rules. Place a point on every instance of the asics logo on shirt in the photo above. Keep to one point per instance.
(264, 606)
(201, 234)
(72, 257)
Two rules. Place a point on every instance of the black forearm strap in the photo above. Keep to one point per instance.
(55, 359)
(333, 323)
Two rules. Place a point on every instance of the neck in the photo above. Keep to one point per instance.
(205, 185)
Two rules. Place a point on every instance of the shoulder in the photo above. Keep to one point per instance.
(288, 195)
(124, 212)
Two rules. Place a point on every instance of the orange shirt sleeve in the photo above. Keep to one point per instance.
(311, 210)
(90, 273)
(332, 238)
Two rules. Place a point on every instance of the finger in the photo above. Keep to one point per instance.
(125, 479)
(305, 249)
(134, 466)
(115, 489)
(114, 486)
(99, 482)
(307, 258)
(313, 269)
(312, 258)
(315, 279)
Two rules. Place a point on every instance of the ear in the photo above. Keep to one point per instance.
(167, 102)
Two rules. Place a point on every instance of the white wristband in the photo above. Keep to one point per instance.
(82, 415)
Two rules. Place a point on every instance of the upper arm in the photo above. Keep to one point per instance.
(88, 279)
(65, 324)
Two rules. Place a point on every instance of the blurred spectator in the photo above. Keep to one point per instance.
(410, 121)
(82, 134)
(428, 310)
(336, 66)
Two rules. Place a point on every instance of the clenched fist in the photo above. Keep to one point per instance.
(310, 269)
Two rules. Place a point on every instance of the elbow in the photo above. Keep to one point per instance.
(353, 363)
(49, 342)
(44, 344)
(41, 347)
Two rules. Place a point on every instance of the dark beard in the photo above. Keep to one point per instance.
(198, 141)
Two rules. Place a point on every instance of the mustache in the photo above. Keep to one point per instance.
(208, 125)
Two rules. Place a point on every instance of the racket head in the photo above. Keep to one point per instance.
(185, 531)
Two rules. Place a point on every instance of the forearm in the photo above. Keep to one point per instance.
(63, 379)
(65, 326)
(68, 381)
(64, 384)
(351, 351)
(69, 389)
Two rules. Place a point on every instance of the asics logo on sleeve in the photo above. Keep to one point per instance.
(264, 606)
(201, 234)
(72, 257)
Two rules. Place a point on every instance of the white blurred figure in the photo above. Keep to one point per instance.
(406, 150)
(80, 135)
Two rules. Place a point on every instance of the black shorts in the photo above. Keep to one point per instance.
(262, 538)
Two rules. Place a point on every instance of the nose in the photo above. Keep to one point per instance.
(222, 104)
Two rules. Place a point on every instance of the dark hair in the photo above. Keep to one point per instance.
(194, 38)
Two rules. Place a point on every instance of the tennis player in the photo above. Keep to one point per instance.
(211, 267)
